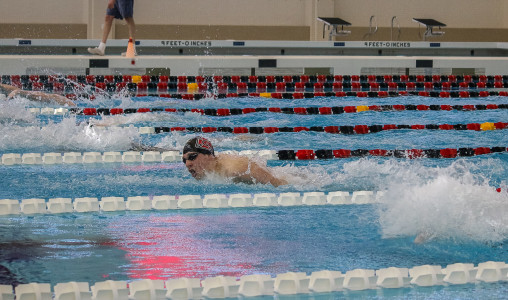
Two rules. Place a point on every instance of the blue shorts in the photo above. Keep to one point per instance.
(123, 9)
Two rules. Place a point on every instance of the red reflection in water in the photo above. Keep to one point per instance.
(171, 247)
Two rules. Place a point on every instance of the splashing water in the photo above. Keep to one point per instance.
(66, 136)
(135, 118)
(14, 111)
(454, 202)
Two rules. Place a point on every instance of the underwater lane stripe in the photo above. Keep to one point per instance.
(129, 157)
(344, 129)
(331, 110)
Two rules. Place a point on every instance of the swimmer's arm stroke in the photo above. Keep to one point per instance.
(264, 176)
(43, 97)
(13, 91)
(7, 89)
(242, 169)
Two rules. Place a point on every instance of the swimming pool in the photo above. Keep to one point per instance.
(453, 199)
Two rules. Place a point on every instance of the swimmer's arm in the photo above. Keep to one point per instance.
(7, 89)
(238, 167)
(263, 175)
(12, 91)
(42, 97)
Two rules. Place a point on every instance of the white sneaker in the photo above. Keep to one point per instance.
(125, 53)
(96, 51)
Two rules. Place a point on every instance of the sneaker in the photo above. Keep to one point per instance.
(96, 51)
(125, 53)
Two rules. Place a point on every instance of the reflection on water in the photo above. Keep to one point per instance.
(209, 242)
(161, 247)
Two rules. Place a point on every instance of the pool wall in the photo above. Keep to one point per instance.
(243, 65)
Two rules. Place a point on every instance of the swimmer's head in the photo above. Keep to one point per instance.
(200, 145)
(198, 157)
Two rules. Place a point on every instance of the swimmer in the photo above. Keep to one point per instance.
(12, 91)
(200, 160)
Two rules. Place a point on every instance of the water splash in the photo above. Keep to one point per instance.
(442, 200)
(454, 202)
(116, 120)
(66, 136)
(14, 111)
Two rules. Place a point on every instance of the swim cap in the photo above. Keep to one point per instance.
(198, 144)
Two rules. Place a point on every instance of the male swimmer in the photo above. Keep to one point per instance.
(200, 160)
(12, 91)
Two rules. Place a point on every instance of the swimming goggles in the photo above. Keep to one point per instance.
(191, 157)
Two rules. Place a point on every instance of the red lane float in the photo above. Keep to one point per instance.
(355, 129)
(306, 154)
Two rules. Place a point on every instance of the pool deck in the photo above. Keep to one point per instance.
(194, 58)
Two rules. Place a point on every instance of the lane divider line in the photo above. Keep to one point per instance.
(223, 112)
(166, 202)
(51, 158)
(257, 285)
(344, 129)
(307, 95)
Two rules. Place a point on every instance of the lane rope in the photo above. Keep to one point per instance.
(223, 112)
(344, 129)
(288, 284)
(167, 202)
(51, 158)
(183, 95)
(281, 87)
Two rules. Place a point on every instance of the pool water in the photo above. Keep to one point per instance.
(453, 199)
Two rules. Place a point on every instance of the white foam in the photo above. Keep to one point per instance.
(14, 111)
(454, 202)
(126, 119)
(66, 136)
(308, 177)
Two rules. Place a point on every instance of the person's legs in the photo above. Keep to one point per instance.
(101, 49)
(123, 9)
(126, 7)
(108, 23)
(111, 14)
(132, 31)
(132, 27)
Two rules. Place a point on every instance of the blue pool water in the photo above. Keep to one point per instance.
(455, 199)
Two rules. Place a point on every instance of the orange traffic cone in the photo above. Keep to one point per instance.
(131, 53)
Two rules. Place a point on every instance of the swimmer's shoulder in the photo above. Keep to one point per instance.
(232, 158)
(233, 164)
